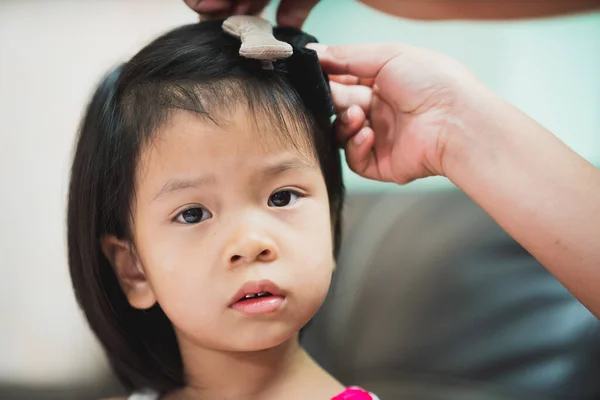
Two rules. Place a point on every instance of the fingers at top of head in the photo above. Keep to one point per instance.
(250, 7)
(216, 9)
(293, 13)
(210, 6)
(363, 61)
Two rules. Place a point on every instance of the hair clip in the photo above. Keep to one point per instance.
(258, 42)
(268, 65)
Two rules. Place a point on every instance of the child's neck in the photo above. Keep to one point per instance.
(282, 372)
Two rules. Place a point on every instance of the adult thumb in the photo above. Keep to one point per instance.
(364, 60)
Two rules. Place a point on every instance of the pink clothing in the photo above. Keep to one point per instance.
(355, 393)
(352, 393)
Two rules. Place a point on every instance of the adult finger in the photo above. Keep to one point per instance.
(359, 155)
(345, 96)
(210, 7)
(348, 123)
(293, 13)
(364, 61)
(250, 7)
(215, 9)
(352, 80)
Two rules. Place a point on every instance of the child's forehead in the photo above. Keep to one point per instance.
(240, 131)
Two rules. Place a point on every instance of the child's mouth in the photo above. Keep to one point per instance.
(259, 303)
(256, 298)
(255, 295)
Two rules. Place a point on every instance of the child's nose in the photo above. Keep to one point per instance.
(248, 247)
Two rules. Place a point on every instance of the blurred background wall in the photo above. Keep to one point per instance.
(52, 53)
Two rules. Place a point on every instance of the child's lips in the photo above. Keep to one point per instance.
(259, 305)
(258, 297)
(256, 287)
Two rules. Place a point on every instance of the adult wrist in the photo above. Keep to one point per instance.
(474, 134)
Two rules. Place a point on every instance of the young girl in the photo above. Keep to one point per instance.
(204, 218)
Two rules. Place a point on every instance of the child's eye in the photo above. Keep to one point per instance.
(193, 215)
(283, 198)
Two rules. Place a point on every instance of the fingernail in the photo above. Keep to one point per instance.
(346, 116)
(360, 137)
(318, 47)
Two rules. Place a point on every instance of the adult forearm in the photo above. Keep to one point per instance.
(543, 194)
(480, 9)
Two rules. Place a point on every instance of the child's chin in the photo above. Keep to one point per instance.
(266, 342)
(268, 339)
(246, 340)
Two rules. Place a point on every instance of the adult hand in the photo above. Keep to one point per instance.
(399, 107)
(290, 13)
(407, 113)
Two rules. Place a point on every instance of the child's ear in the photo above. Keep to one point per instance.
(129, 271)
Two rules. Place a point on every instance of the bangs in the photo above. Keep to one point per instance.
(274, 110)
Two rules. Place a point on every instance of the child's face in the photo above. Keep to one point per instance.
(220, 207)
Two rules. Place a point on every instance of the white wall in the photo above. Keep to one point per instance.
(52, 53)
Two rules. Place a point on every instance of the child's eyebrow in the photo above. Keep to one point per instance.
(175, 185)
(287, 165)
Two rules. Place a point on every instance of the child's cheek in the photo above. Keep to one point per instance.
(312, 253)
(179, 278)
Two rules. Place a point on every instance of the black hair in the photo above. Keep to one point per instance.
(195, 68)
